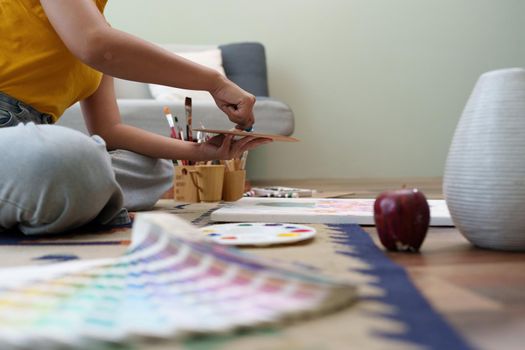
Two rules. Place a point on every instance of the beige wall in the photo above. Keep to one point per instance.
(377, 86)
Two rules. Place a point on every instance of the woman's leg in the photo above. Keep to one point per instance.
(143, 179)
(54, 179)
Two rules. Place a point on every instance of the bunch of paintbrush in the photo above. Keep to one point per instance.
(236, 163)
(177, 132)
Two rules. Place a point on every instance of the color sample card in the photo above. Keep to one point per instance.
(315, 211)
(170, 284)
(260, 234)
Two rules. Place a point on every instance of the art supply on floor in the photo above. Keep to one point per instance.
(233, 187)
(281, 138)
(169, 284)
(280, 192)
(260, 234)
(315, 210)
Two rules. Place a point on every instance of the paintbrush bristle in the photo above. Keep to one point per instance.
(166, 110)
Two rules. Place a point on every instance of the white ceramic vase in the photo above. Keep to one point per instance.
(484, 182)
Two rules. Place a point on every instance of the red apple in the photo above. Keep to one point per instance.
(402, 218)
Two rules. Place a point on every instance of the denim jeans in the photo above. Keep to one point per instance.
(13, 112)
(54, 178)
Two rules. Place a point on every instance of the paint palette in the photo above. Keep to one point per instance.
(258, 233)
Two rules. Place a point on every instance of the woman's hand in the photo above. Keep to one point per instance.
(235, 102)
(224, 147)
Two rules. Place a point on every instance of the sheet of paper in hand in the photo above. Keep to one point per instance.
(281, 138)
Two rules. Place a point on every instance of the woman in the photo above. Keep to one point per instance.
(54, 53)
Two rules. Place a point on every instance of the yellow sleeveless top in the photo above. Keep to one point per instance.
(35, 65)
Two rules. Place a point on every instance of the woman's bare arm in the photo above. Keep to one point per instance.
(85, 32)
(102, 117)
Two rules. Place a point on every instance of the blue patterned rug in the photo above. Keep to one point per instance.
(425, 326)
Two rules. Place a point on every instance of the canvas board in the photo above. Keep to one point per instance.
(314, 211)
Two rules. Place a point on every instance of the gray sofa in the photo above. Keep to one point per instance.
(244, 63)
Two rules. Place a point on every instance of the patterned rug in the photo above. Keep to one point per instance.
(390, 314)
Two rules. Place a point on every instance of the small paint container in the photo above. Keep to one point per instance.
(233, 188)
(185, 184)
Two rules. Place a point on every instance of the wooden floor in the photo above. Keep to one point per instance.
(480, 292)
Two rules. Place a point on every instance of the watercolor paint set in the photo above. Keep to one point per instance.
(171, 283)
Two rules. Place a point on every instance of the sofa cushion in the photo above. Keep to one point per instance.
(245, 64)
(209, 58)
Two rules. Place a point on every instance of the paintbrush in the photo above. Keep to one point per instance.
(189, 117)
(176, 122)
(169, 118)
(173, 132)
(243, 160)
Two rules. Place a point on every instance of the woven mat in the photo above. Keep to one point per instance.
(390, 314)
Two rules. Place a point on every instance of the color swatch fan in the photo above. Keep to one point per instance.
(169, 284)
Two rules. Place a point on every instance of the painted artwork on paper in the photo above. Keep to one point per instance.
(314, 210)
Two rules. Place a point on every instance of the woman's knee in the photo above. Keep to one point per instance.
(68, 157)
(60, 177)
